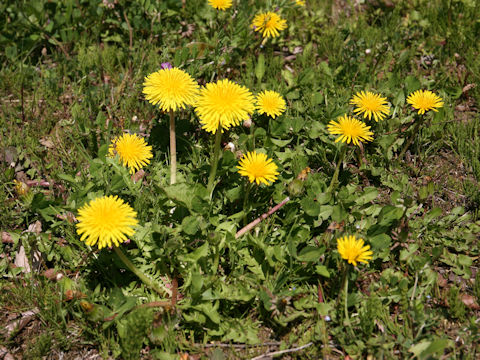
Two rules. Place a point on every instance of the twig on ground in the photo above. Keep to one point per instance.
(270, 354)
(239, 346)
(262, 217)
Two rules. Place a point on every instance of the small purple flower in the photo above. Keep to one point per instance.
(166, 65)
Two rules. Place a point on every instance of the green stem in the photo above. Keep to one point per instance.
(216, 155)
(159, 288)
(245, 201)
(216, 259)
(173, 150)
(334, 181)
(410, 139)
(345, 290)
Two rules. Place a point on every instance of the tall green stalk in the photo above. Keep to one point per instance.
(334, 181)
(345, 293)
(173, 150)
(248, 188)
(418, 122)
(159, 288)
(214, 165)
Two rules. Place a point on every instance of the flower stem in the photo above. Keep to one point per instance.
(334, 181)
(173, 150)
(248, 187)
(216, 155)
(345, 290)
(159, 288)
(410, 139)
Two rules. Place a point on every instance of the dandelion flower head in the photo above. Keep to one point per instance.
(370, 104)
(21, 188)
(269, 24)
(170, 88)
(270, 103)
(223, 104)
(106, 221)
(424, 100)
(220, 4)
(133, 151)
(353, 250)
(299, 2)
(257, 167)
(350, 130)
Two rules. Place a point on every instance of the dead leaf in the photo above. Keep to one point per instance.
(469, 301)
(468, 87)
(74, 295)
(441, 281)
(47, 143)
(6, 238)
(53, 275)
(139, 175)
(5, 354)
(380, 326)
(18, 325)
(35, 227)
(9, 155)
(21, 260)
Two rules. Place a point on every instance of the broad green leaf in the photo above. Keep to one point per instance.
(311, 207)
(260, 68)
(196, 255)
(310, 253)
(322, 270)
(369, 194)
(389, 214)
(380, 241)
(190, 225)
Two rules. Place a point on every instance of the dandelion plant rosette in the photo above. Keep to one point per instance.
(133, 151)
(171, 89)
(352, 250)
(268, 24)
(423, 101)
(220, 106)
(370, 104)
(108, 221)
(350, 130)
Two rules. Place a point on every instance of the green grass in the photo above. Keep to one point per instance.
(72, 75)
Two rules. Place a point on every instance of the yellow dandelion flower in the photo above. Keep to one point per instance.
(257, 167)
(353, 250)
(270, 103)
(350, 130)
(133, 151)
(370, 104)
(220, 4)
(269, 24)
(171, 89)
(106, 221)
(223, 104)
(299, 2)
(21, 188)
(424, 100)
